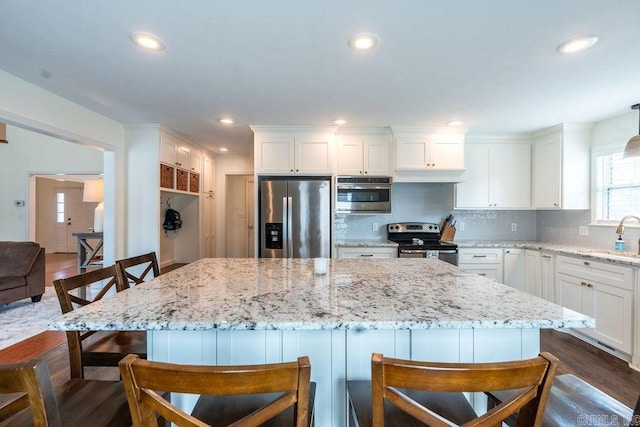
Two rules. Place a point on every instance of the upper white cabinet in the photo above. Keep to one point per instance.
(293, 150)
(180, 164)
(428, 155)
(363, 153)
(498, 174)
(561, 168)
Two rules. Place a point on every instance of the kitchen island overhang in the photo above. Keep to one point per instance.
(236, 311)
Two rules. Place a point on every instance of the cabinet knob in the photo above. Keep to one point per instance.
(507, 252)
(297, 170)
(587, 263)
(589, 285)
(556, 204)
(583, 283)
(366, 255)
(291, 170)
(360, 172)
(433, 164)
(479, 256)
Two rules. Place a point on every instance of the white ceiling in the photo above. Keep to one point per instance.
(491, 63)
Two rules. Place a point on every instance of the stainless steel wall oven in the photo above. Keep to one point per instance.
(363, 194)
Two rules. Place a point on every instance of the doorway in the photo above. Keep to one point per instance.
(239, 214)
(60, 212)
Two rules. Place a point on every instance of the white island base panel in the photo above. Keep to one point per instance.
(337, 355)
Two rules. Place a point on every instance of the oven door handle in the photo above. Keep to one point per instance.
(414, 251)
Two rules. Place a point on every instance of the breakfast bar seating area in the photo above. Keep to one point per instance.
(259, 311)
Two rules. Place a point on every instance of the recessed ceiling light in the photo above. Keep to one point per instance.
(224, 149)
(364, 41)
(227, 121)
(339, 122)
(146, 41)
(455, 123)
(577, 44)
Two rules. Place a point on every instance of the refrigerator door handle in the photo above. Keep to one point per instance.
(289, 240)
(285, 228)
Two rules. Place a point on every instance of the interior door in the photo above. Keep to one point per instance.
(77, 218)
(250, 215)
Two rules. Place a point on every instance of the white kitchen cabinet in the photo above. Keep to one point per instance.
(487, 262)
(497, 176)
(547, 276)
(177, 153)
(539, 274)
(562, 168)
(430, 155)
(514, 268)
(180, 164)
(293, 150)
(366, 252)
(209, 207)
(364, 154)
(421, 153)
(602, 291)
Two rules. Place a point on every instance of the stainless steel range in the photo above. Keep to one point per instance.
(421, 240)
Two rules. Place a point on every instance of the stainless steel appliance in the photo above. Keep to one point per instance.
(363, 194)
(421, 240)
(295, 217)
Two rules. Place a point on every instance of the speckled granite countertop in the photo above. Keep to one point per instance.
(623, 258)
(284, 294)
(365, 244)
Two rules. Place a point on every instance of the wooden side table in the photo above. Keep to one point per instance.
(87, 251)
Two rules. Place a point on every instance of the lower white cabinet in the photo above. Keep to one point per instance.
(514, 268)
(532, 272)
(483, 261)
(547, 276)
(366, 252)
(602, 291)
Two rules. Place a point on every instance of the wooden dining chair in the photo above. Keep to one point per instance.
(95, 348)
(78, 403)
(137, 269)
(572, 399)
(285, 387)
(413, 393)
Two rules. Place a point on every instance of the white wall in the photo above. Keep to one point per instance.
(227, 164)
(29, 153)
(28, 107)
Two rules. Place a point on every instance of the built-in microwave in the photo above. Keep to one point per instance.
(363, 194)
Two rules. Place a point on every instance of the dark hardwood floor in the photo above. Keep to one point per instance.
(599, 368)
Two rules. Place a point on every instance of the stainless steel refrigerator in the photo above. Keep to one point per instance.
(295, 217)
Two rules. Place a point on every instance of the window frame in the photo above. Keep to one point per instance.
(600, 151)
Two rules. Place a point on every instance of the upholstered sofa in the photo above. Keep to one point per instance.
(21, 271)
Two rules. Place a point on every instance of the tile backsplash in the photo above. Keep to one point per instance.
(433, 202)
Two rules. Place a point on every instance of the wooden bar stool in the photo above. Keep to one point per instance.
(278, 394)
(95, 348)
(137, 269)
(78, 403)
(572, 400)
(412, 393)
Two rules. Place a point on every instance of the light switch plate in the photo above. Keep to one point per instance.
(583, 230)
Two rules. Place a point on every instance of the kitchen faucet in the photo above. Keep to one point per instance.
(620, 229)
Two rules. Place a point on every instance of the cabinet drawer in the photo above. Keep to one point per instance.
(480, 255)
(367, 252)
(614, 275)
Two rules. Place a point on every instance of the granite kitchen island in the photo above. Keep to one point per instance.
(236, 311)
